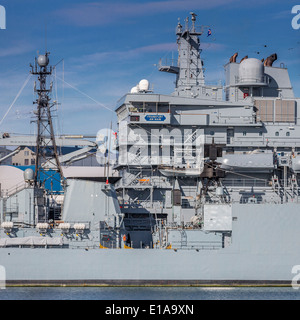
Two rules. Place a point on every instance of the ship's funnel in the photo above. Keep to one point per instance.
(233, 58)
(246, 57)
(269, 61)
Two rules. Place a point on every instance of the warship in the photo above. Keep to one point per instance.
(204, 188)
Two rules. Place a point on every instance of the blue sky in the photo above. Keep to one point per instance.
(107, 47)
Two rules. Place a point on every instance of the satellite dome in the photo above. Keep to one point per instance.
(134, 89)
(144, 85)
(251, 71)
(43, 60)
(28, 175)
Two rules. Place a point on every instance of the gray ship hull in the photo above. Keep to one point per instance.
(264, 249)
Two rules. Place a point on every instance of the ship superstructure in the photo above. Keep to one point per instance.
(181, 154)
(206, 191)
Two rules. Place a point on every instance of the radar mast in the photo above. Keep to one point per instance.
(189, 70)
(46, 165)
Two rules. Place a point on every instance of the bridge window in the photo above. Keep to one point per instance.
(134, 118)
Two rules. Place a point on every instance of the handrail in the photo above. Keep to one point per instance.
(17, 188)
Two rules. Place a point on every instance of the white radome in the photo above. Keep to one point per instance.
(251, 71)
(134, 89)
(144, 85)
(43, 60)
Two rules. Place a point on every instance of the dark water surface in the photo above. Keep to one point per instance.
(149, 293)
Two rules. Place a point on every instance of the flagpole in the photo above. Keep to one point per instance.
(107, 172)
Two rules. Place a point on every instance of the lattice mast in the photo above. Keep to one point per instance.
(46, 165)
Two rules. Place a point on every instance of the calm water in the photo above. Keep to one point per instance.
(150, 293)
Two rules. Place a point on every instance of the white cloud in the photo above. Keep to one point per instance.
(16, 49)
(95, 13)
